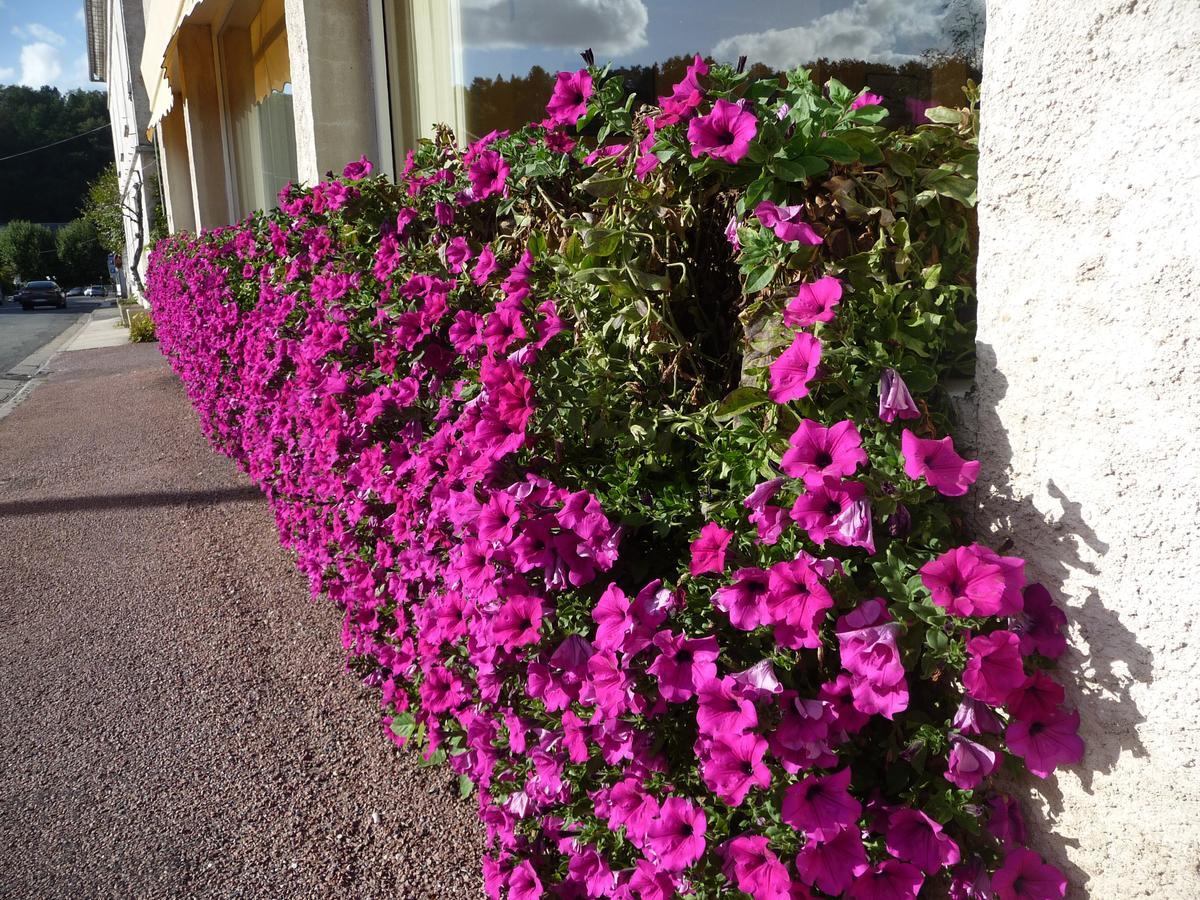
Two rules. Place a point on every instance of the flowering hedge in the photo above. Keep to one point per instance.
(621, 442)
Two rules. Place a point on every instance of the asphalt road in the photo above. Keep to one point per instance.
(21, 333)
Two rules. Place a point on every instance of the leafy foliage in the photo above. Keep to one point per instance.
(28, 249)
(81, 259)
(541, 419)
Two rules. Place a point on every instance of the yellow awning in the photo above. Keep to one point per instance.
(269, 50)
(163, 19)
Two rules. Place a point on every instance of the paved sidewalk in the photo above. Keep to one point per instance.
(101, 330)
(174, 718)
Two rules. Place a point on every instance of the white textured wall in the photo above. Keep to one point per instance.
(1089, 404)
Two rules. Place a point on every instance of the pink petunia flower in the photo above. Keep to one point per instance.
(969, 762)
(816, 452)
(683, 664)
(723, 709)
(745, 599)
(975, 581)
(1037, 699)
(1040, 624)
(833, 864)
(795, 368)
(867, 642)
(725, 133)
(732, 764)
(568, 103)
(708, 550)
(914, 837)
(821, 806)
(685, 96)
(866, 98)
(935, 461)
(895, 402)
(523, 883)
(1024, 876)
(1046, 744)
(813, 303)
(820, 508)
(796, 603)
(887, 880)
(750, 864)
(488, 175)
(994, 668)
(677, 836)
(786, 223)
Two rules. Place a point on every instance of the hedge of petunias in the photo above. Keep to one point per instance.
(621, 442)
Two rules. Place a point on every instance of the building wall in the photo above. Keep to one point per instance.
(1088, 374)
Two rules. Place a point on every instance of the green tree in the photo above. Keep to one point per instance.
(103, 208)
(81, 258)
(28, 249)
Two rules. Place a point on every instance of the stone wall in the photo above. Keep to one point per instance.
(1088, 417)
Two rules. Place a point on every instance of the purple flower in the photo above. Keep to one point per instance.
(356, 171)
(816, 452)
(914, 837)
(750, 864)
(832, 865)
(1047, 744)
(887, 880)
(975, 581)
(866, 98)
(708, 550)
(733, 764)
(785, 222)
(969, 762)
(821, 806)
(1040, 624)
(731, 234)
(725, 133)
(568, 103)
(814, 303)
(994, 669)
(1024, 876)
(795, 368)
(895, 402)
(745, 599)
(677, 836)
(488, 175)
(683, 664)
(867, 642)
(936, 462)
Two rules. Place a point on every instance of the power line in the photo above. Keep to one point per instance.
(55, 144)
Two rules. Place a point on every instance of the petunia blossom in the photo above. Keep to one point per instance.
(887, 880)
(821, 806)
(750, 864)
(832, 865)
(813, 303)
(1040, 624)
(568, 103)
(975, 581)
(787, 224)
(732, 764)
(488, 175)
(994, 669)
(1024, 876)
(815, 452)
(745, 599)
(969, 762)
(914, 837)
(1046, 744)
(708, 550)
(935, 461)
(895, 402)
(795, 368)
(677, 836)
(725, 133)
(866, 98)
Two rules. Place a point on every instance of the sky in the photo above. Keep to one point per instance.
(508, 36)
(43, 42)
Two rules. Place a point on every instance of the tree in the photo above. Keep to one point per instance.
(28, 249)
(81, 258)
(104, 210)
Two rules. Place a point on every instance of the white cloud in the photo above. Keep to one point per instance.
(867, 29)
(40, 33)
(610, 27)
(79, 17)
(7, 74)
(40, 65)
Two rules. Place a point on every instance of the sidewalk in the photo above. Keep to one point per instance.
(175, 720)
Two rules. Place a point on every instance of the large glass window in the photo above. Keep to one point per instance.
(496, 58)
(256, 70)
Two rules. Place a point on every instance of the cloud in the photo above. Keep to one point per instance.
(79, 17)
(6, 74)
(888, 31)
(40, 65)
(39, 33)
(610, 27)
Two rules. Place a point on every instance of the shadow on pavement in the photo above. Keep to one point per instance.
(126, 501)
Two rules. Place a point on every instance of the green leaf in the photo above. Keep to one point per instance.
(465, 787)
(944, 115)
(789, 170)
(739, 401)
(760, 278)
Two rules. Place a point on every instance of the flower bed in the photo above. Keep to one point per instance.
(622, 444)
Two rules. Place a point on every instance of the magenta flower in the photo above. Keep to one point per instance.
(518, 622)
(759, 680)
(866, 98)
(973, 717)
(796, 603)
(685, 96)
(1045, 745)
(734, 764)
(895, 402)
(708, 550)
(723, 710)
(523, 883)
(936, 462)
(816, 452)
(1023, 876)
(887, 880)
(1038, 699)
(683, 664)
(1040, 624)
(795, 368)
(832, 865)
(820, 508)
(867, 643)
(731, 234)
(568, 103)
(750, 864)
(632, 808)
(745, 600)
(975, 581)
(820, 807)
(488, 175)
(356, 171)
(458, 252)
(969, 762)
(914, 837)
(786, 223)
(649, 883)
(725, 133)
(994, 668)
(677, 837)
(814, 303)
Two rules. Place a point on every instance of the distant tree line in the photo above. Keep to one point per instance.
(50, 185)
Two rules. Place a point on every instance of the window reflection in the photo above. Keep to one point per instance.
(916, 53)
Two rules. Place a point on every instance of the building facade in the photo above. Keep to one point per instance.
(1089, 276)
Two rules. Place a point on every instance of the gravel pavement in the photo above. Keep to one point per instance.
(174, 716)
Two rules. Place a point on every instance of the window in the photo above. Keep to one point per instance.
(256, 70)
(496, 59)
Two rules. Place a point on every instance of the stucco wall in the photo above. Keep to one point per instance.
(1088, 418)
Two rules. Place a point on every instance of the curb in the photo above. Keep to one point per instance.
(22, 378)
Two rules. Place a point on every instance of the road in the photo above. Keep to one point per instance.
(21, 333)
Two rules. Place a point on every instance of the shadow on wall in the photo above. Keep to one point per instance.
(1103, 660)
